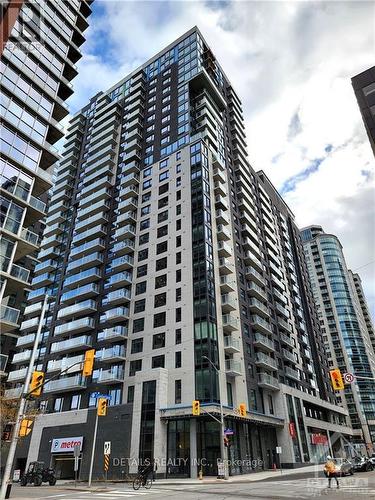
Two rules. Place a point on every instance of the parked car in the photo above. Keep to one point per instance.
(342, 467)
(362, 464)
(37, 473)
(372, 459)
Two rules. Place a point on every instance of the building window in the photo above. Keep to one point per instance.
(138, 325)
(162, 231)
(163, 216)
(178, 294)
(178, 258)
(145, 224)
(163, 202)
(178, 209)
(178, 241)
(161, 281)
(137, 346)
(147, 172)
(162, 177)
(144, 238)
(158, 361)
(160, 247)
(270, 404)
(146, 197)
(161, 264)
(145, 210)
(164, 188)
(130, 398)
(139, 305)
(140, 287)
(177, 392)
(178, 314)
(143, 254)
(178, 224)
(158, 340)
(75, 402)
(135, 366)
(178, 275)
(178, 336)
(58, 404)
(160, 299)
(159, 319)
(116, 396)
(178, 360)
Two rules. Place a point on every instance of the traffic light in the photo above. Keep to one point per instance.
(37, 379)
(242, 409)
(25, 428)
(102, 407)
(88, 363)
(196, 408)
(336, 380)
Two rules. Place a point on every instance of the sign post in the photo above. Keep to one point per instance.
(279, 451)
(107, 453)
(77, 450)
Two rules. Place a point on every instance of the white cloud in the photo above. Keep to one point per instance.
(291, 64)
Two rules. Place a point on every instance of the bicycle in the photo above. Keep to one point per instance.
(142, 480)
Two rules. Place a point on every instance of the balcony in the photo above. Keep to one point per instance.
(130, 217)
(13, 393)
(231, 345)
(71, 344)
(256, 291)
(66, 384)
(21, 357)
(253, 275)
(20, 274)
(85, 307)
(17, 375)
(111, 376)
(82, 292)
(130, 204)
(112, 354)
(258, 307)
(117, 297)
(227, 284)
(228, 304)
(90, 246)
(222, 217)
(222, 233)
(218, 175)
(268, 382)
(30, 324)
(47, 265)
(127, 231)
(225, 267)
(85, 262)
(224, 250)
(290, 356)
(79, 279)
(26, 340)
(264, 361)
(119, 279)
(263, 342)
(289, 372)
(113, 334)
(260, 324)
(233, 368)
(283, 324)
(128, 192)
(220, 202)
(89, 234)
(123, 247)
(8, 318)
(121, 263)
(94, 220)
(79, 325)
(287, 340)
(116, 314)
(251, 259)
(229, 323)
(130, 179)
(63, 364)
(43, 279)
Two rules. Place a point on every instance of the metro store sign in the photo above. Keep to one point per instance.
(64, 445)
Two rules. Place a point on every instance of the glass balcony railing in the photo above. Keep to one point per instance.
(71, 344)
(37, 204)
(75, 326)
(264, 360)
(117, 296)
(111, 375)
(30, 236)
(266, 380)
(114, 314)
(86, 306)
(26, 340)
(65, 384)
(232, 367)
(65, 363)
(112, 353)
(89, 289)
(20, 273)
(113, 333)
(124, 277)
(93, 257)
(88, 275)
(98, 242)
(9, 314)
(21, 357)
(14, 393)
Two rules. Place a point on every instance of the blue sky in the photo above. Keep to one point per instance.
(291, 64)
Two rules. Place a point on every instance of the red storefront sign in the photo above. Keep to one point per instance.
(292, 430)
(319, 439)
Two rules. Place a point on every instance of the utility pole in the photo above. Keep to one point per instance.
(223, 450)
(21, 410)
(93, 449)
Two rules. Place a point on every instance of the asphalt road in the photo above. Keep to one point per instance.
(361, 486)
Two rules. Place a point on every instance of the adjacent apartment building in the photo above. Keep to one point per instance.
(364, 89)
(183, 268)
(40, 45)
(348, 333)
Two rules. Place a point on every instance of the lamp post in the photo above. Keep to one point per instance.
(223, 450)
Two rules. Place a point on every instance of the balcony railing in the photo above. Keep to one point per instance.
(233, 367)
(115, 333)
(9, 314)
(65, 384)
(75, 326)
(71, 344)
(264, 360)
(269, 382)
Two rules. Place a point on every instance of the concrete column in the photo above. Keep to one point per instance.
(193, 449)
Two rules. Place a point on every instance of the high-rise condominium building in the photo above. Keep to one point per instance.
(182, 267)
(348, 332)
(40, 45)
(364, 88)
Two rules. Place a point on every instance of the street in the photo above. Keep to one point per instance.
(359, 486)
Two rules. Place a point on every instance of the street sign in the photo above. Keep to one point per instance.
(348, 378)
(220, 469)
(77, 450)
(97, 395)
(278, 450)
(228, 432)
(107, 447)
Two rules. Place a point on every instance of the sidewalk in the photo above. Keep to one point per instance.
(245, 478)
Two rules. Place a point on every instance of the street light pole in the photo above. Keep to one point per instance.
(223, 450)
(93, 449)
(21, 410)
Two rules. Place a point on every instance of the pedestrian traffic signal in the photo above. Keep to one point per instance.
(242, 409)
(25, 428)
(88, 363)
(36, 383)
(336, 379)
(196, 408)
(102, 407)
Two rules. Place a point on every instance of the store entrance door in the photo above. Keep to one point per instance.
(64, 466)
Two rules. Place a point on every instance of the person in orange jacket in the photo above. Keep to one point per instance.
(330, 470)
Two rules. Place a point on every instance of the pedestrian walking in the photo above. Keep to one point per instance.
(330, 470)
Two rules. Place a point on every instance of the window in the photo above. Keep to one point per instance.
(166, 108)
(135, 366)
(163, 202)
(144, 224)
(151, 108)
(137, 346)
(178, 258)
(158, 361)
(140, 287)
(178, 242)
(150, 138)
(161, 247)
(151, 118)
(160, 299)
(147, 184)
(158, 340)
(58, 404)
(165, 130)
(178, 294)
(178, 209)
(177, 392)
(163, 176)
(163, 216)
(149, 150)
(178, 360)
(147, 172)
(143, 254)
(178, 184)
(178, 275)
(178, 155)
(161, 264)
(138, 325)
(150, 128)
(161, 281)
(163, 189)
(178, 195)
(178, 168)
(159, 319)
(144, 238)
(162, 231)
(75, 402)
(146, 197)
(270, 404)
(142, 271)
(130, 398)
(139, 305)
(166, 99)
(178, 314)
(178, 336)
(165, 119)
(178, 225)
